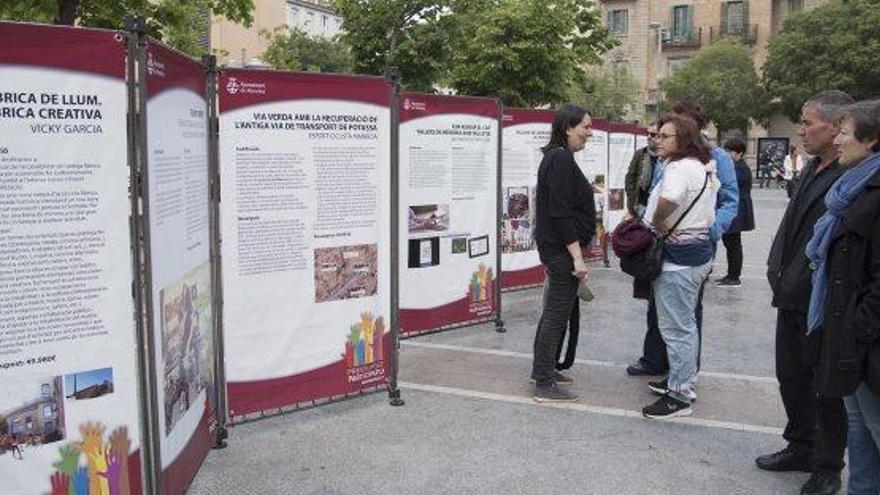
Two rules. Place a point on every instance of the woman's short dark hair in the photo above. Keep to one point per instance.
(568, 116)
(735, 144)
(687, 136)
(865, 116)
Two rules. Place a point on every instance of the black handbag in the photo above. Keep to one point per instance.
(646, 264)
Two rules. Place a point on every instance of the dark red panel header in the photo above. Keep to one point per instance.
(240, 88)
(63, 47)
(417, 105)
(169, 69)
(517, 116)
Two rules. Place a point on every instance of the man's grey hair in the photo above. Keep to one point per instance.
(828, 104)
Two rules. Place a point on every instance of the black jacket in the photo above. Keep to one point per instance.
(850, 349)
(788, 269)
(745, 217)
(565, 210)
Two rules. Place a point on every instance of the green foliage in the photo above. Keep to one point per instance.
(609, 93)
(180, 23)
(295, 50)
(834, 46)
(412, 35)
(721, 78)
(528, 52)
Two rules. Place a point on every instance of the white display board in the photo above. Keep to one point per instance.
(182, 300)
(68, 362)
(448, 157)
(621, 147)
(305, 223)
(525, 132)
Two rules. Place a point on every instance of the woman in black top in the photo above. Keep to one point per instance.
(565, 220)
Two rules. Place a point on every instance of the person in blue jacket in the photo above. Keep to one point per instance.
(654, 361)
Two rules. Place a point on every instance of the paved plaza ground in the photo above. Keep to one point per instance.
(470, 426)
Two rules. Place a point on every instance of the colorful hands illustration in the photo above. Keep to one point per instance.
(114, 469)
(121, 445)
(93, 447)
(81, 481)
(69, 460)
(60, 483)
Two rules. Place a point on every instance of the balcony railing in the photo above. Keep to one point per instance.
(747, 33)
(692, 39)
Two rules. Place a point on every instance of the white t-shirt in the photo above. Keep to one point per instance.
(681, 183)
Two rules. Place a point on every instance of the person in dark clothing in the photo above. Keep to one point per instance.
(745, 217)
(565, 220)
(640, 175)
(816, 424)
(844, 313)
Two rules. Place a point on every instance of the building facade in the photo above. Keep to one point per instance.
(41, 419)
(236, 45)
(658, 36)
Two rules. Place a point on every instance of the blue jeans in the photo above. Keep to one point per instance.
(675, 296)
(863, 438)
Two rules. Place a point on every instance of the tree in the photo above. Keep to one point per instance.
(409, 34)
(831, 47)
(527, 52)
(294, 49)
(721, 78)
(180, 23)
(610, 93)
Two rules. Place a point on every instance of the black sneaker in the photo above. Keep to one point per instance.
(559, 378)
(667, 407)
(552, 393)
(822, 483)
(638, 368)
(729, 282)
(787, 459)
(659, 387)
(722, 280)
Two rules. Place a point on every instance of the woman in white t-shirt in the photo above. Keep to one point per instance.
(685, 195)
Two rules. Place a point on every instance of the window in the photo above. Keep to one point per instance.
(795, 5)
(292, 16)
(47, 411)
(682, 20)
(309, 18)
(324, 21)
(736, 17)
(45, 390)
(618, 21)
(17, 427)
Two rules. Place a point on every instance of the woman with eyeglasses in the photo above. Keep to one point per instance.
(844, 311)
(681, 207)
(565, 223)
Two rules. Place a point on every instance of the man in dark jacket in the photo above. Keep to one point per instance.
(815, 423)
(639, 175)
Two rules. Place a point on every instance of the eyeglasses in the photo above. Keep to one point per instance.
(652, 134)
(662, 136)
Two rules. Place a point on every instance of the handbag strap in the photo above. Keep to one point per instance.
(705, 183)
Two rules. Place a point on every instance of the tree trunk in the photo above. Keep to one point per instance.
(66, 12)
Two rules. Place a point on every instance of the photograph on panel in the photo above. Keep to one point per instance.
(187, 347)
(31, 414)
(428, 218)
(346, 272)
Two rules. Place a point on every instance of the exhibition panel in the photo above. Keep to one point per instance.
(448, 156)
(306, 226)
